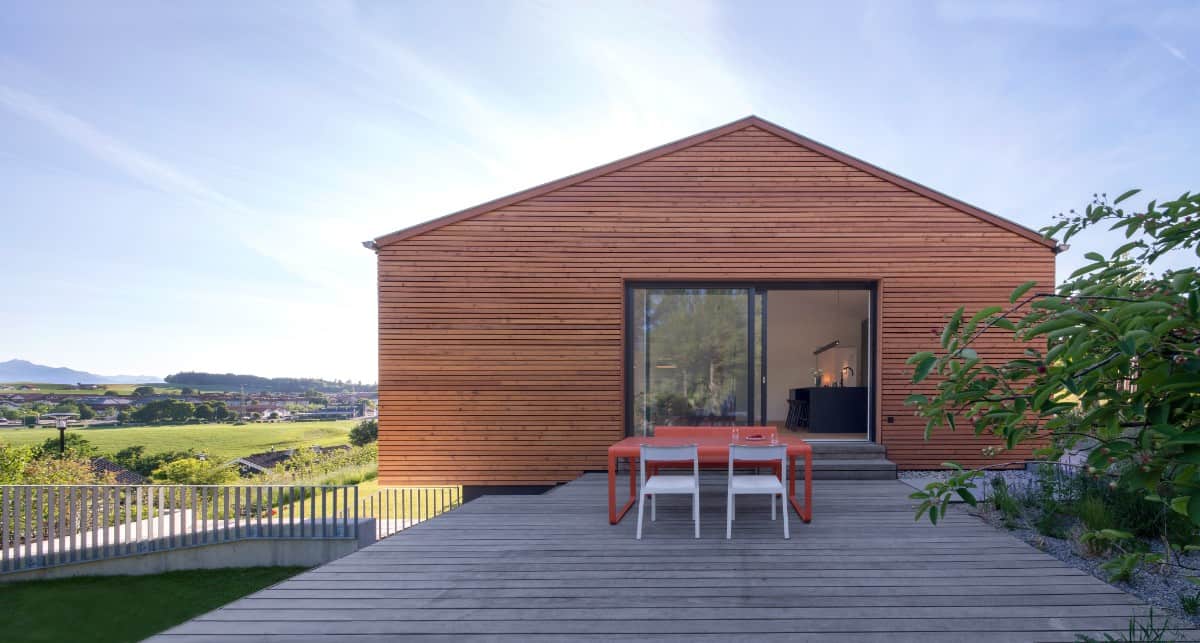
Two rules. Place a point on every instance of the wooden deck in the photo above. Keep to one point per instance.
(550, 567)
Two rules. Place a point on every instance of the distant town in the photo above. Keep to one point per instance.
(186, 398)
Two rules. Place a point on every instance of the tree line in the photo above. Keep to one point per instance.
(231, 381)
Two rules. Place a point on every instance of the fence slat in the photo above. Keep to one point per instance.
(4, 529)
(300, 505)
(50, 525)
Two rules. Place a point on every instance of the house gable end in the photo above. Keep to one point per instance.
(713, 139)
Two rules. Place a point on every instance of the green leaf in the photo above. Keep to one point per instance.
(918, 357)
(1125, 196)
(1001, 322)
(1020, 290)
(1054, 323)
(967, 496)
(952, 327)
(1137, 307)
(1186, 438)
(986, 312)
(969, 353)
(1193, 509)
(1127, 247)
(915, 399)
(923, 368)
(1180, 505)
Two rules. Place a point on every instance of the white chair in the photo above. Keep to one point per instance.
(676, 484)
(756, 484)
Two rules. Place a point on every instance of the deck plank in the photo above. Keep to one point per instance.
(550, 567)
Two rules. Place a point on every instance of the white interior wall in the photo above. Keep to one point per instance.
(800, 321)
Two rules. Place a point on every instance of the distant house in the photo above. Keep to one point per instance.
(257, 463)
(276, 414)
(107, 401)
(331, 413)
(121, 475)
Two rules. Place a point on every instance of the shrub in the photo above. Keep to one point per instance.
(73, 469)
(1093, 512)
(13, 461)
(135, 458)
(1123, 567)
(365, 433)
(1100, 541)
(76, 445)
(194, 471)
(1050, 521)
(342, 466)
(1005, 502)
(1111, 358)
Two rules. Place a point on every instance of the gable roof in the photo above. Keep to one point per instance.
(696, 139)
(101, 465)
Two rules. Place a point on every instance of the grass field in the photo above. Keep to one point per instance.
(104, 609)
(218, 440)
(11, 388)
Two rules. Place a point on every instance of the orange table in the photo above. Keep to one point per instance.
(711, 450)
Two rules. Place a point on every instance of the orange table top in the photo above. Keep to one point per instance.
(707, 447)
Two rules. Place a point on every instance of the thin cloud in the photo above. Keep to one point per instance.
(143, 167)
(255, 228)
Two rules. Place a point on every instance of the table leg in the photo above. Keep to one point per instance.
(615, 516)
(808, 468)
(804, 512)
(612, 489)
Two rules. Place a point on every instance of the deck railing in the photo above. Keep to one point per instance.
(397, 508)
(49, 525)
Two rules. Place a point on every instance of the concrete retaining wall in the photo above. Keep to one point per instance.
(265, 552)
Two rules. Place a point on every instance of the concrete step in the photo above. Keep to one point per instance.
(848, 450)
(853, 469)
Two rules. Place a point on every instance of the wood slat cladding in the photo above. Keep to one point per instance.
(501, 332)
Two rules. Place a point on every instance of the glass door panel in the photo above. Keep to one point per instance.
(691, 357)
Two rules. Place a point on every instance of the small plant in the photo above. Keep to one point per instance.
(1100, 541)
(1006, 503)
(1190, 603)
(1050, 521)
(1140, 630)
(1093, 513)
(936, 496)
(1123, 567)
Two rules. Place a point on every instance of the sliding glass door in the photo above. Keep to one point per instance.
(698, 355)
(692, 357)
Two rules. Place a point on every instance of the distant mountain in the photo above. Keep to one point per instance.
(19, 370)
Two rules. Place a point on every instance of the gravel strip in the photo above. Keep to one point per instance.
(1160, 588)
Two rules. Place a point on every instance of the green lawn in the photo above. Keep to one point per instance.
(218, 440)
(123, 608)
(13, 388)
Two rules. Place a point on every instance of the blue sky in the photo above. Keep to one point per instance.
(186, 185)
